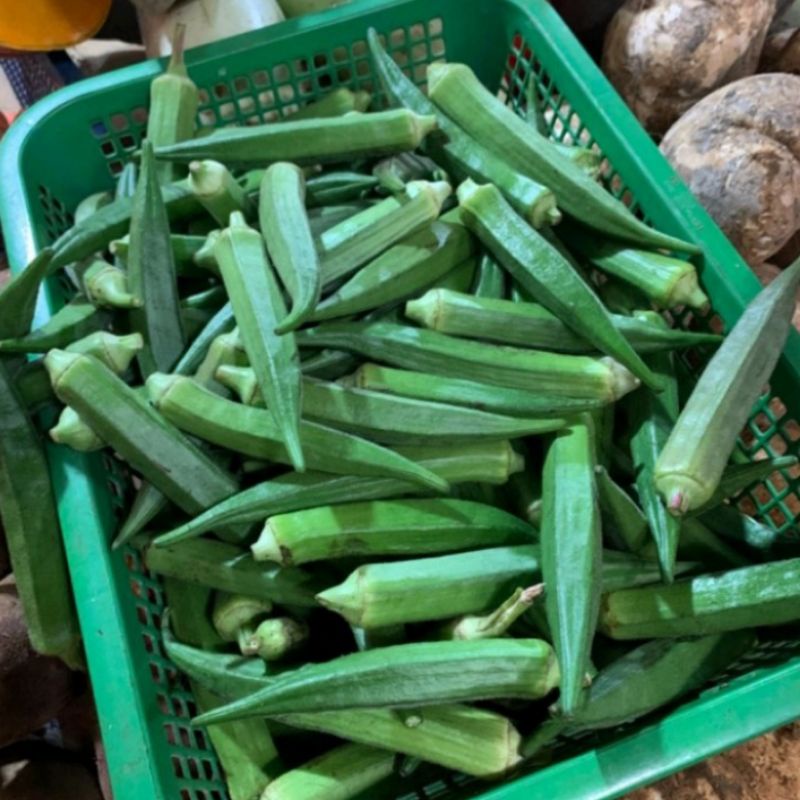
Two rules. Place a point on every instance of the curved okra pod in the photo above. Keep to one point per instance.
(497, 623)
(464, 738)
(259, 308)
(387, 527)
(91, 204)
(415, 674)
(217, 190)
(457, 91)
(287, 233)
(107, 286)
(308, 141)
(546, 274)
(129, 424)
(571, 553)
(151, 274)
(691, 464)
(18, 298)
(539, 372)
(252, 431)
(485, 462)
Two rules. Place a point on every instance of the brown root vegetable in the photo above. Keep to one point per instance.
(665, 55)
(781, 52)
(739, 151)
(33, 688)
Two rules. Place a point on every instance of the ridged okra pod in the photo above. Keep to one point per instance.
(18, 298)
(489, 462)
(536, 371)
(531, 325)
(460, 737)
(456, 90)
(151, 274)
(128, 423)
(406, 675)
(259, 308)
(571, 545)
(174, 99)
(252, 431)
(762, 595)
(387, 527)
(542, 270)
(312, 141)
(217, 190)
(462, 392)
(691, 464)
(290, 243)
(336, 103)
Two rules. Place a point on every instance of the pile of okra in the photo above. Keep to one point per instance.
(410, 441)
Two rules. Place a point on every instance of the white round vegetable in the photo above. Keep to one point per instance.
(739, 151)
(665, 55)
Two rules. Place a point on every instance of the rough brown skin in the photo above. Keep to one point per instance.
(739, 151)
(665, 55)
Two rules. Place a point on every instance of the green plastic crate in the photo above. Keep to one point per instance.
(75, 141)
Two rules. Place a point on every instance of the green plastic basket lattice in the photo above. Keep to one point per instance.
(76, 141)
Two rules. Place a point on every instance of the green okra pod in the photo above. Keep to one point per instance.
(116, 352)
(174, 99)
(236, 616)
(645, 679)
(627, 522)
(18, 298)
(406, 675)
(571, 544)
(762, 595)
(107, 285)
(75, 320)
(498, 622)
(491, 282)
(91, 204)
(546, 373)
(148, 503)
(339, 774)
(336, 103)
(224, 349)
(409, 266)
(457, 91)
(546, 274)
(328, 365)
(259, 308)
(33, 385)
(29, 516)
(527, 324)
(337, 187)
(217, 190)
(391, 419)
(490, 462)
(127, 422)
(290, 243)
(151, 274)
(252, 431)
(460, 737)
(221, 323)
(312, 141)
(275, 638)
(458, 391)
(651, 419)
(691, 464)
(395, 172)
(228, 568)
(387, 527)
(420, 206)
(73, 432)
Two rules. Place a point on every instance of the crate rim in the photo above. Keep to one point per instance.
(767, 700)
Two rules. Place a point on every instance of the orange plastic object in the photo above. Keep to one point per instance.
(49, 24)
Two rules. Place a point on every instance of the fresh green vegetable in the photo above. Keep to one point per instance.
(116, 352)
(151, 274)
(337, 187)
(498, 622)
(221, 323)
(571, 554)
(337, 103)
(692, 462)
(287, 233)
(106, 285)
(18, 298)
(217, 190)
(491, 283)
(258, 306)
(766, 594)
(546, 274)
(235, 616)
(406, 675)
(91, 204)
(199, 412)
(547, 373)
(387, 527)
(147, 505)
(490, 462)
(395, 172)
(275, 638)
(626, 521)
(310, 141)
(530, 325)
(73, 432)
